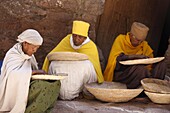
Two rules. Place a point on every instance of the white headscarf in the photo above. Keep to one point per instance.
(31, 36)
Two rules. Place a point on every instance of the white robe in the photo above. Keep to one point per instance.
(14, 80)
(79, 73)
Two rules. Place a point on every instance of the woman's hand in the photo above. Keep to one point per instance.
(132, 57)
(35, 72)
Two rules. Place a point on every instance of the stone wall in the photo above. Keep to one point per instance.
(52, 18)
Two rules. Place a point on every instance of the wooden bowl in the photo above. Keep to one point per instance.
(156, 85)
(112, 91)
(158, 98)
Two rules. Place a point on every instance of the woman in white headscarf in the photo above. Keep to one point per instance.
(17, 94)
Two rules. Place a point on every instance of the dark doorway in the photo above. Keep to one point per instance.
(165, 35)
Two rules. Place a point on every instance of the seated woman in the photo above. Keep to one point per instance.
(17, 93)
(128, 47)
(79, 72)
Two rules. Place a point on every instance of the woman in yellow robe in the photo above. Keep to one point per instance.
(128, 47)
(80, 29)
(78, 42)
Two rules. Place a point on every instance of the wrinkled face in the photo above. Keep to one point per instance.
(134, 40)
(29, 49)
(78, 40)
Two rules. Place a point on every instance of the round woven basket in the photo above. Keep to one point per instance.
(48, 77)
(156, 85)
(158, 97)
(112, 91)
(66, 56)
(142, 61)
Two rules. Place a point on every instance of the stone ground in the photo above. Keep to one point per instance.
(137, 105)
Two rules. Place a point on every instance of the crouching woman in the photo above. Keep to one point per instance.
(18, 93)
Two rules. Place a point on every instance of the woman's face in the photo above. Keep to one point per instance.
(29, 49)
(78, 40)
(134, 40)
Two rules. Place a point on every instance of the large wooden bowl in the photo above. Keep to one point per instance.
(112, 91)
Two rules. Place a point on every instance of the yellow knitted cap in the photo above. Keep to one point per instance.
(80, 28)
(139, 30)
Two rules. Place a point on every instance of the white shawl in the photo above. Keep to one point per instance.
(14, 80)
(79, 73)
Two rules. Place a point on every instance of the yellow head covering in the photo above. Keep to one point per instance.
(139, 30)
(80, 28)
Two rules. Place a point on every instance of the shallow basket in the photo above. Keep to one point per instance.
(66, 56)
(156, 85)
(112, 91)
(158, 97)
(49, 77)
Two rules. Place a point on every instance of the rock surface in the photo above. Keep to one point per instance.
(138, 105)
(52, 18)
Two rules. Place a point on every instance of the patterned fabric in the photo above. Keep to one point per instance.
(42, 96)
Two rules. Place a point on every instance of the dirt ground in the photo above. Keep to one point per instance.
(137, 105)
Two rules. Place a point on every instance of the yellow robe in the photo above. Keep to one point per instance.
(122, 44)
(89, 49)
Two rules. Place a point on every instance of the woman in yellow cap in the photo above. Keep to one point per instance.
(128, 47)
(78, 42)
